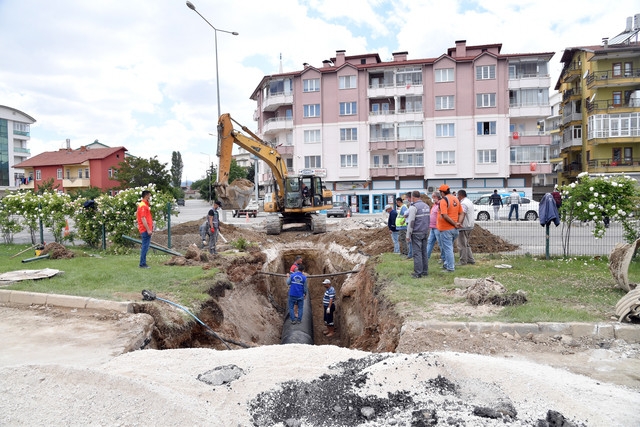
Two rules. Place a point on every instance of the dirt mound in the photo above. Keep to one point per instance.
(57, 251)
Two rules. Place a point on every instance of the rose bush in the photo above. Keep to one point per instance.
(601, 199)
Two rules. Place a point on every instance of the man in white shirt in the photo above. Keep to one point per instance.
(468, 222)
(514, 202)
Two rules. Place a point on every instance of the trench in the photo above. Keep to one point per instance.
(250, 305)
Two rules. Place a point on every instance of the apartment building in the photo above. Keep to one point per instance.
(472, 118)
(600, 88)
(14, 139)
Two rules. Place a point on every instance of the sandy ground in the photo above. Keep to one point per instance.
(77, 368)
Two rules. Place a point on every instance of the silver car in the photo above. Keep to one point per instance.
(339, 209)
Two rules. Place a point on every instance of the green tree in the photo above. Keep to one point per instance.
(139, 172)
(85, 193)
(251, 172)
(236, 171)
(47, 186)
(176, 169)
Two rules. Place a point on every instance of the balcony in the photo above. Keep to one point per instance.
(277, 100)
(571, 117)
(608, 165)
(526, 169)
(600, 79)
(572, 170)
(392, 144)
(606, 106)
(529, 110)
(574, 94)
(390, 171)
(530, 81)
(76, 182)
(276, 124)
(286, 149)
(19, 150)
(383, 90)
(530, 138)
(572, 72)
(28, 186)
(385, 116)
(570, 142)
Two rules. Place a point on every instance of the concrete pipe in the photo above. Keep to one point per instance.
(301, 333)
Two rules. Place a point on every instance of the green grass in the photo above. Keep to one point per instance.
(558, 290)
(112, 277)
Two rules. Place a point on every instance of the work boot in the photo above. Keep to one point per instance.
(331, 331)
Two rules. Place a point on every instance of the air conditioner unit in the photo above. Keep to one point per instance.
(431, 189)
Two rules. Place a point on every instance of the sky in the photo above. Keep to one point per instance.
(142, 74)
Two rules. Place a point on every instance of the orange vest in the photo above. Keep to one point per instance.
(451, 206)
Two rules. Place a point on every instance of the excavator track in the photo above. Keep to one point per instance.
(273, 224)
(318, 224)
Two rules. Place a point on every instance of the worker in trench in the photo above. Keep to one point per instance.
(329, 307)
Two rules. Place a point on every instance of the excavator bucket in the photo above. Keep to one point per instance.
(236, 195)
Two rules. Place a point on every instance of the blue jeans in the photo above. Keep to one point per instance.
(146, 241)
(293, 301)
(396, 244)
(434, 236)
(514, 207)
(420, 259)
(446, 246)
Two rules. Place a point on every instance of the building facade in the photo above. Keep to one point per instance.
(600, 107)
(472, 118)
(15, 133)
(74, 169)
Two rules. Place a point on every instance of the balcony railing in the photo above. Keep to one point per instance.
(606, 78)
(614, 163)
(609, 104)
(614, 133)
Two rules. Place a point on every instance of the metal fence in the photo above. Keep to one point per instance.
(530, 237)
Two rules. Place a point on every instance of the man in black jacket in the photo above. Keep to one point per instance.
(496, 201)
(393, 214)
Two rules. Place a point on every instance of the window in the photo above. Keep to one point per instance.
(484, 100)
(348, 160)
(486, 72)
(289, 164)
(382, 132)
(522, 155)
(110, 173)
(617, 99)
(312, 162)
(576, 132)
(349, 134)
(59, 173)
(486, 128)
(311, 85)
(68, 173)
(38, 174)
(528, 97)
(486, 156)
(347, 82)
(617, 69)
(410, 158)
(410, 130)
(628, 154)
(628, 69)
(445, 102)
(445, 130)
(280, 87)
(379, 108)
(409, 76)
(311, 136)
(348, 108)
(381, 161)
(445, 157)
(444, 75)
(86, 172)
(312, 110)
(80, 173)
(412, 104)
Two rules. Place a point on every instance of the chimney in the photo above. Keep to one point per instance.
(461, 48)
(636, 21)
(605, 42)
(629, 24)
(68, 144)
(326, 63)
(400, 56)
(305, 64)
(340, 57)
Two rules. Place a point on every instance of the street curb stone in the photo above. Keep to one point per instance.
(70, 301)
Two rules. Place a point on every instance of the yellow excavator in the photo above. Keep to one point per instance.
(295, 200)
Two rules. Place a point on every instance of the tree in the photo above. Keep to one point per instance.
(47, 186)
(139, 172)
(236, 171)
(251, 172)
(176, 169)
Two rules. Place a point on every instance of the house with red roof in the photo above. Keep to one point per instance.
(73, 169)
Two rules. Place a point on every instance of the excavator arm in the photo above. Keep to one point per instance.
(234, 195)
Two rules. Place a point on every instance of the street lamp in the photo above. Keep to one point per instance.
(215, 33)
(209, 173)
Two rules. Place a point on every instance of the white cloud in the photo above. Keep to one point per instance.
(143, 74)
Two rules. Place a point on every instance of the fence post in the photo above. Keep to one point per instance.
(169, 225)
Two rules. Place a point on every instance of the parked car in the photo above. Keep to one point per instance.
(251, 210)
(180, 202)
(527, 211)
(339, 209)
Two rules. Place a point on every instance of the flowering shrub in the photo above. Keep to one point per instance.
(116, 213)
(600, 199)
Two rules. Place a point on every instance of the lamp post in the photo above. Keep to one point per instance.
(209, 173)
(215, 33)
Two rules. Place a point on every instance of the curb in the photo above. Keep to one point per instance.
(28, 298)
(605, 330)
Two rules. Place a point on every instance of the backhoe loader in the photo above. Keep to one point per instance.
(295, 199)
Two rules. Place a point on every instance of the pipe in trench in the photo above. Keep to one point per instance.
(301, 333)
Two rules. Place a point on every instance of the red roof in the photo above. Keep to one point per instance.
(68, 157)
